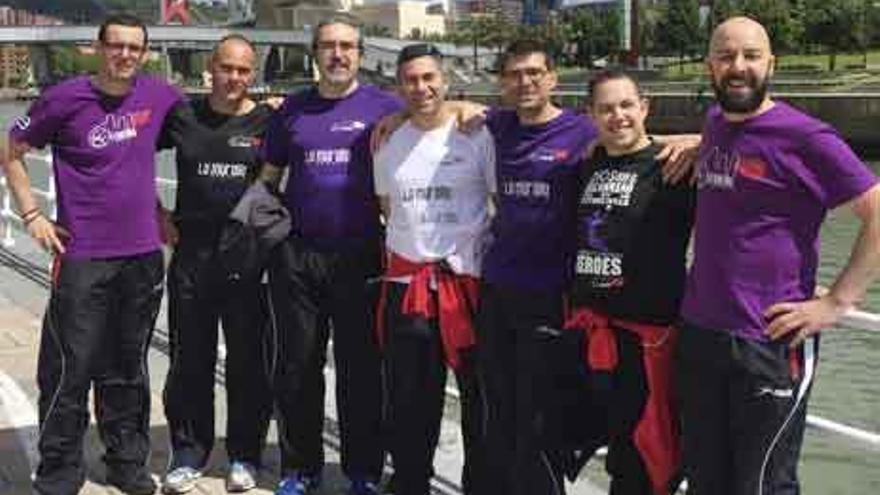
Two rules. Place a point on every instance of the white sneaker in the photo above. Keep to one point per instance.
(180, 480)
(242, 476)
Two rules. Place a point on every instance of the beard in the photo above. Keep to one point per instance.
(741, 103)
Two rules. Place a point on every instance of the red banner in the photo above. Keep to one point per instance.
(175, 12)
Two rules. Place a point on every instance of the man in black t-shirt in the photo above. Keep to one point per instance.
(217, 140)
(633, 231)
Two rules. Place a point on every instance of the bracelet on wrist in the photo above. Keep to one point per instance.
(28, 221)
(28, 213)
(31, 216)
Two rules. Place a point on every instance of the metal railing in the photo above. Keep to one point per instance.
(853, 320)
(11, 220)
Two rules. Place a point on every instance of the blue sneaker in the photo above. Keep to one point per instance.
(296, 484)
(362, 487)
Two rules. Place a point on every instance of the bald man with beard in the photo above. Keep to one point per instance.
(767, 176)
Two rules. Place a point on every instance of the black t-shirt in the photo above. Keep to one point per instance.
(217, 157)
(633, 232)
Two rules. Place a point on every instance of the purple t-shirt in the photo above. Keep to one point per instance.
(534, 229)
(103, 149)
(765, 186)
(325, 144)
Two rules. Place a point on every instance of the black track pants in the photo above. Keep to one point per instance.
(514, 334)
(416, 370)
(311, 292)
(96, 330)
(744, 409)
(200, 296)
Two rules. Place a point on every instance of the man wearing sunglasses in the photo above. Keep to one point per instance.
(108, 267)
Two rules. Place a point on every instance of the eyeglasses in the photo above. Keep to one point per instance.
(329, 46)
(117, 48)
(533, 75)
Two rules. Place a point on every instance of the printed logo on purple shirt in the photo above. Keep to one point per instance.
(548, 155)
(117, 128)
(348, 126)
(752, 167)
(328, 161)
(717, 169)
(526, 189)
(22, 123)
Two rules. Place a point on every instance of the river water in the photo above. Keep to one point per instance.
(847, 388)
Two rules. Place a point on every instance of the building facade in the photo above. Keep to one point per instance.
(403, 19)
(15, 66)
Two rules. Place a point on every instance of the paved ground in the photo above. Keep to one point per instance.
(21, 306)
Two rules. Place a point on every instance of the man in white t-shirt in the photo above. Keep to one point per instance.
(434, 185)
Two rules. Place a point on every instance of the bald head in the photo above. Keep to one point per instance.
(234, 45)
(232, 70)
(740, 30)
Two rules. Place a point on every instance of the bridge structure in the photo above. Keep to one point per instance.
(178, 39)
(380, 54)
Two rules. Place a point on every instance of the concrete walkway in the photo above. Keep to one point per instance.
(22, 301)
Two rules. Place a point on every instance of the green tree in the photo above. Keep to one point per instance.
(837, 26)
(490, 30)
(679, 30)
(872, 23)
(156, 67)
(783, 20)
(650, 17)
(555, 35)
(721, 10)
(61, 61)
(475, 31)
(67, 61)
(594, 34)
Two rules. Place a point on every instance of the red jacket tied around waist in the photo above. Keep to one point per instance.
(656, 435)
(453, 303)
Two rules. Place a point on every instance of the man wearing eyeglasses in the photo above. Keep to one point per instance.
(107, 282)
(324, 273)
(539, 147)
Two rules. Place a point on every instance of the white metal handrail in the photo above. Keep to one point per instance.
(10, 218)
(853, 319)
(8, 214)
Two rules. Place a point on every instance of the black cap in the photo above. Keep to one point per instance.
(417, 50)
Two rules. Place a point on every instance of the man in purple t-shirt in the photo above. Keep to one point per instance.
(326, 270)
(539, 147)
(767, 175)
(108, 266)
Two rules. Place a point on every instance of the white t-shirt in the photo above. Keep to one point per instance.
(438, 184)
